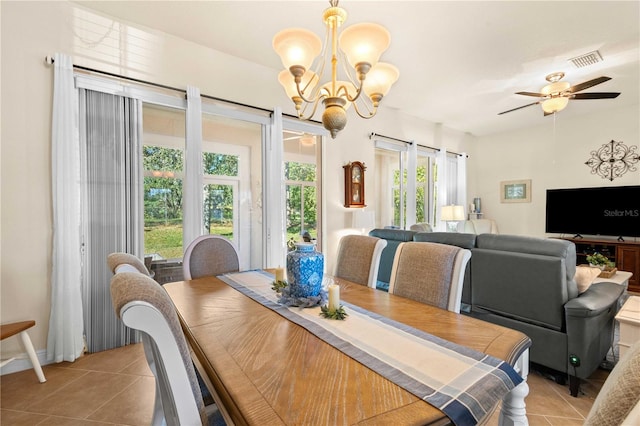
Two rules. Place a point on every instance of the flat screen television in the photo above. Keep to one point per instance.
(612, 211)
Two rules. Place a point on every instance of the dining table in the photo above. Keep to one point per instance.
(263, 368)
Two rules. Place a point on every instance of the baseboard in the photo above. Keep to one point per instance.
(22, 362)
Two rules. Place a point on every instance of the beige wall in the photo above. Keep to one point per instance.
(552, 156)
(31, 30)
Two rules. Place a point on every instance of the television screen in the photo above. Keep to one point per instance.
(613, 211)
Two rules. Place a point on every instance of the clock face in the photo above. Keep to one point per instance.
(356, 175)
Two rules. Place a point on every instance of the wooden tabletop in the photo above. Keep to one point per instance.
(269, 371)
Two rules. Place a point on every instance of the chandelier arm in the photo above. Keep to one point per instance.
(314, 98)
(371, 113)
(315, 107)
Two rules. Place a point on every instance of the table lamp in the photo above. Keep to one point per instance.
(452, 214)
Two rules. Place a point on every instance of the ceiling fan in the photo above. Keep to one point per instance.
(555, 95)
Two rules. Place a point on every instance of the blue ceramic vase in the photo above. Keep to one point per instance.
(304, 271)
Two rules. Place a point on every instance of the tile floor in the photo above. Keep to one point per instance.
(117, 387)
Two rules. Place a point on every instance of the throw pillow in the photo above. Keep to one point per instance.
(585, 276)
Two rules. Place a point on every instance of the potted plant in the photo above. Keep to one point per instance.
(600, 261)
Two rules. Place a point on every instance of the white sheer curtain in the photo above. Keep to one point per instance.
(192, 203)
(462, 181)
(441, 185)
(274, 193)
(412, 161)
(65, 339)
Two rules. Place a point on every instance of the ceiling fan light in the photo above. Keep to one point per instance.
(554, 104)
(364, 42)
(557, 87)
(297, 46)
(380, 79)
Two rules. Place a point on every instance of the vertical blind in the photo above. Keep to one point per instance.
(110, 139)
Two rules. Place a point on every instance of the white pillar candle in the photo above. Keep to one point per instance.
(279, 274)
(334, 297)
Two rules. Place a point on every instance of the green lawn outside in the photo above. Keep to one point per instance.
(166, 240)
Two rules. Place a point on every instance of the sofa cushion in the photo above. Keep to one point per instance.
(466, 241)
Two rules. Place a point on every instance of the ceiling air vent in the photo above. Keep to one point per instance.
(586, 59)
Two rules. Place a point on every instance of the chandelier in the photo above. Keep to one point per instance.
(356, 48)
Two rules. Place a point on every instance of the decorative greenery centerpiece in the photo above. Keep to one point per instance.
(278, 285)
(337, 314)
(600, 260)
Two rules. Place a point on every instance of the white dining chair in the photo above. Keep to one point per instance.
(210, 255)
(142, 304)
(359, 259)
(430, 273)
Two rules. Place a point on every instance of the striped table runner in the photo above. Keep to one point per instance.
(466, 390)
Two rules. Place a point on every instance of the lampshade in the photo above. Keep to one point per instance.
(297, 46)
(364, 42)
(452, 213)
(363, 220)
(380, 79)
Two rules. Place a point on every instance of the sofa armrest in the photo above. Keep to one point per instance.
(597, 299)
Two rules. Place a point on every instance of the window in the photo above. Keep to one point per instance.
(163, 164)
(301, 200)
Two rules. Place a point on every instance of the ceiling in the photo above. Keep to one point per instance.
(460, 62)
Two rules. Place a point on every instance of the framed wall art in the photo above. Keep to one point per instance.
(515, 191)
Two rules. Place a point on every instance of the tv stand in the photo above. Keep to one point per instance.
(625, 254)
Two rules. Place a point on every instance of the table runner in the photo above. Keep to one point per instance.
(466, 390)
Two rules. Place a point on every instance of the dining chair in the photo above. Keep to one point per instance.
(430, 273)
(125, 261)
(618, 402)
(359, 259)
(142, 304)
(210, 255)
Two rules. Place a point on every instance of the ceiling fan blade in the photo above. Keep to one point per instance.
(596, 95)
(520, 107)
(587, 84)
(537, 95)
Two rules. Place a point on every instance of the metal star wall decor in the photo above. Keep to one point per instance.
(613, 159)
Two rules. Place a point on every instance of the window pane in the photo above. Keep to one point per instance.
(300, 171)
(218, 210)
(294, 212)
(220, 164)
(310, 207)
(163, 163)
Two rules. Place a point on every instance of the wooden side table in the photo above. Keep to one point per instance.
(629, 319)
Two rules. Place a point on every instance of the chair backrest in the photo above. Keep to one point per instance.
(210, 255)
(430, 273)
(618, 402)
(144, 305)
(118, 260)
(359, 259)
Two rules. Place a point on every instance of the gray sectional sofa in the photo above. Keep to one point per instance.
(528, 284)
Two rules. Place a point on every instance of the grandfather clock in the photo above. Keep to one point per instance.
(354, 184)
